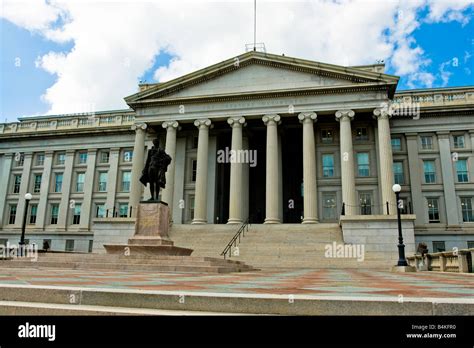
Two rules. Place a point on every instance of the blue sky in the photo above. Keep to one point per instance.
(50, 65)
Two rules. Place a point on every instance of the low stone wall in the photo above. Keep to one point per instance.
(111, 231)
(450, 261)
(379, 233)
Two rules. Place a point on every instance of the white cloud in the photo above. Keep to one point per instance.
(449, 10)
(115, 42)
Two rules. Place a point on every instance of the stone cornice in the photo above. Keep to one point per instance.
(370, 87)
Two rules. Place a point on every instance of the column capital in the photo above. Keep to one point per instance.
(168, 125)
(307, 117)
(342, 115)
(236, 121)
(270, 119)
(139, 126)
(382, 113)
(202, 123)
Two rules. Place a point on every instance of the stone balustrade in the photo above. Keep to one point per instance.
(67, 122)
(435, 98)
(446, 261)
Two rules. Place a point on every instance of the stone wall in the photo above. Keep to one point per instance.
(111, 231)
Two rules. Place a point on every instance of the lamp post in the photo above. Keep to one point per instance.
(402, 261)
(28, 197)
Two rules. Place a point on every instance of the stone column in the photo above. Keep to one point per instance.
(64, 205)
(310, 193)
(272, 175)
(112, 181)
(385, 160)
(414, 167)
(45, 184)
(347, 161)
(24, 186)
(170, 148)
(447, 170)
(235, 199)
(5, 174)
(86, 208)
(137, 166)
(200, 197)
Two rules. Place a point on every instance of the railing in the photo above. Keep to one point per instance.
(446, 261)
(369, 209)
(228, 249)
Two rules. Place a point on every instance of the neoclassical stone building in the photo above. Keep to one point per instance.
(314, 140)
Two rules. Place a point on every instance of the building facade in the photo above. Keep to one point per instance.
(262, 137)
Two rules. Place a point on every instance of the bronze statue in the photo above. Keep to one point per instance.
(155, 169)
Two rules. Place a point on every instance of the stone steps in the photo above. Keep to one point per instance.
(130, 263)
(284, 245)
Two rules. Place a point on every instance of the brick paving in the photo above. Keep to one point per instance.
(327, 282)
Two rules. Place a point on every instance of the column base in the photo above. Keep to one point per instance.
(199, 222)
(272, 221)
(233, 221)
(310, 221)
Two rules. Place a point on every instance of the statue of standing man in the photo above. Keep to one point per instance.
(155, 169)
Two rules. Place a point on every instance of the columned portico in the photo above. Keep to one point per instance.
(137, 165)
(272, 174)
(235, 201)
(309, 168)
(347, 160)
(170, 148)
(200, 199)
(385, 159)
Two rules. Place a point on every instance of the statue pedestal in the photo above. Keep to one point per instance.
(151, 233)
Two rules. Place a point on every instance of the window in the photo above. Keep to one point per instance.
(16, 183)
(102, 181)
(458, 141)
(69, 245)
(466, 209)
(128, 156)
(438, 246)
(426, 142)
(58, 182)
(40, 159)
(104, 157)
(363, 164)
(123, 210)
(91, 244)
(404, 208)
(361, 134)
(100, 210)
(12, 214)
(461, 170)
(82, 158)
(398, 173)
(433, 210)
(61, 159)
(54, 214)
(33, 213)
(126, 181)
(37, 183)
(396, 144)
(194, 170)
(80, 182)
(329, 206)
(191, 207)
(429, 171)
(5, 241)
(328, 166)
(470, 244)
(76, 217)
(365, 201)
(195, 142)
(20, 159)
(327, 136)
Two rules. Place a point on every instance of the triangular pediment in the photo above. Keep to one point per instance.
(261, 73)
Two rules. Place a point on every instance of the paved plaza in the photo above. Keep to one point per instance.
(327, 282)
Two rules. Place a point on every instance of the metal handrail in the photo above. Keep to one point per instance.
(244, 227)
